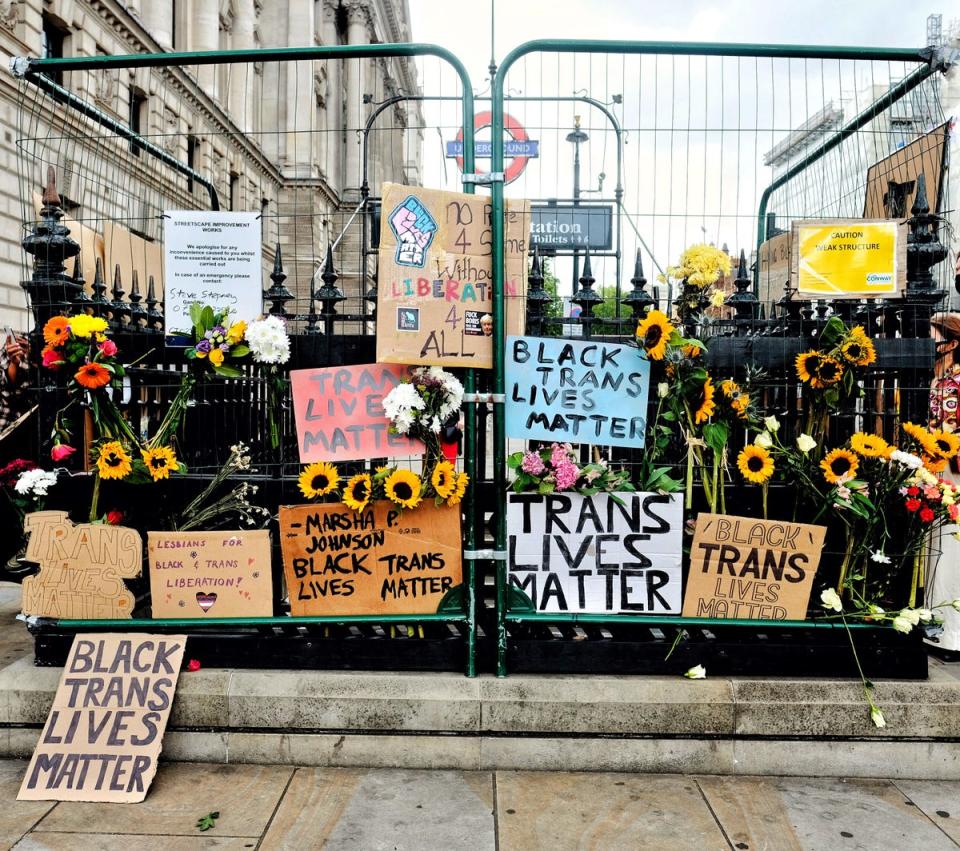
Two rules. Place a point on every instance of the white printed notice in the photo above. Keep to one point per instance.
(212, 257)
(591, 554)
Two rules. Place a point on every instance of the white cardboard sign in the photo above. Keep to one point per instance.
(590, 554)
(212, 257)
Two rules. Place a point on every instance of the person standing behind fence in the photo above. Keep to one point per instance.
(14, 374)
(944, 583)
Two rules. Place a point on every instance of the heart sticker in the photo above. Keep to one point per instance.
(206, 601)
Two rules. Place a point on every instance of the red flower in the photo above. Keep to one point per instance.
(60, 451)
(193, 665)
(913, 491)
(926, 514)
(10, 473)
(912, 504)
(108, 348)
(115, 518)
(51, 358)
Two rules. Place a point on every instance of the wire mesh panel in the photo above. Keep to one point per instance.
(727, 147)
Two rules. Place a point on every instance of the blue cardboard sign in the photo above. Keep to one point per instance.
(576, 392)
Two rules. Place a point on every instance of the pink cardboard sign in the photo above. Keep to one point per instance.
(339, 413)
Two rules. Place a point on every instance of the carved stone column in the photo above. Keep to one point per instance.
(157, 17)
(242, 77)
(358, 32)
(205, 35)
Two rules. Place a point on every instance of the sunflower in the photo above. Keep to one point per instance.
(934, 465)
(839, 466)
(859, 351)
(729, 388)
(705, 404)
(948, 445)
(357, 491)
(755, 463)
(461, 488)
(922, 437)
(654, 333)
(403, 488)
(806, 364)
(113, 462)
(444, 479)
(740, 405)
(869, 445)
(829, 371)
(92, 376)
(57, 331)
(318, 479)
(159, 461)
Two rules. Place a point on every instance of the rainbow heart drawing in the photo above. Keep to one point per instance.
(206, 601)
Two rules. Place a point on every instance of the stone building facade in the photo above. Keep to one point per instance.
(281, 138)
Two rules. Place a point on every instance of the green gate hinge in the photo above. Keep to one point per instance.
(454, 602)
(518, 602)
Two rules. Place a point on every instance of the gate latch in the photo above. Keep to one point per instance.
(483, 179)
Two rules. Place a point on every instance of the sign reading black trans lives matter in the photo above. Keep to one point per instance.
(576, 392)
(591, 554)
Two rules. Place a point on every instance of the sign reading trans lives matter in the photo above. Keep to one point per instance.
(574, 553)
(577, 392)
(435, 283)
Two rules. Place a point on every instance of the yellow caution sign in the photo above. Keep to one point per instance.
(858, 259)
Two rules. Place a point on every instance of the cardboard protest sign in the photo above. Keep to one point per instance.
(379, 561)
(82, 568)
(223, 574)
(435, 280)
(105, 728)
(574, 553)
(892, 182)
(849, 258)
(746, 568)
(576, 392)
(339, 413)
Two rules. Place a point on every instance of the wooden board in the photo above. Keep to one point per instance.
(742, 567)
(82, 568)
(379, 561)
(132, 253)
(434, 288)
(775, 254)
(222, 574)
(105, 728)
(892, 182)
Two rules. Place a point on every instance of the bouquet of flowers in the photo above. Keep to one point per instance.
(270, 348)
(216, 341)
(555, 468)
(322, 480)
(422, 406)
(699, 268)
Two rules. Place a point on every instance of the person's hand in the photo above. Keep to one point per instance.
(17, 348)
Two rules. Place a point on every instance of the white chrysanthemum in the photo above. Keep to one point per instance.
(403, 399)
(906, 459)
(268, 340)
(35, 482)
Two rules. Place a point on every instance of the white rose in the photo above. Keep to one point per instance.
(830, 599)
(772, 424)
(697, 672)
(764, 440)
(805, 443)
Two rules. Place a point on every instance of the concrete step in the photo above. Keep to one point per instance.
(650, 724)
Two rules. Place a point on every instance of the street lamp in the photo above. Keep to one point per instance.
(576, 137)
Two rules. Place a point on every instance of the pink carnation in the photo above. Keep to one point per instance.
(560, 453)
(567, 475)
(532, 463)
(953, 511)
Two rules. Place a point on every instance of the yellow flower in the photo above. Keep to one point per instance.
(318, 479)
(922, 437)
(934, 465)
(839, 466)
(806, 365)
(829, 371)
(858, 349)
(444, 479)
(740, 405)
(869, 445)
(947, 444)
(236, 332)
(403, 487)
(216, 357)
(705, 405)
(159, 462)
(654, 333)
(462, 481)
(755, 463)
(84, 325)
(729, 388)
(357, 492)
(113, 462)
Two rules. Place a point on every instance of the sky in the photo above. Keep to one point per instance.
(695, 130)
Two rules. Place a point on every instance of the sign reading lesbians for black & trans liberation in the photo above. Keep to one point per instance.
(105, 728)
(598, 554)
(573, 392)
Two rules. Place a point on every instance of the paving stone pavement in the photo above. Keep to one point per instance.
(282, 807)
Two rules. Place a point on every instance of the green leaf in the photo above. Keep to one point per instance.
(513, 461)
(196, 310)
(669, 416)
(208, 821)
(240, 351)
(546, 487)
(228, 372)
(848, 380)
(715, 435)
(190, 353)
(207, 317)
(832, 333)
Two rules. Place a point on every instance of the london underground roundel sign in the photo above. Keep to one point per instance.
(518, 148)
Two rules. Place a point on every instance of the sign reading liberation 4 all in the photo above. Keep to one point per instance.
(741, 567)
(573, 553)
(849, 258)
(576, 392)
(211, 257)
(435, 283)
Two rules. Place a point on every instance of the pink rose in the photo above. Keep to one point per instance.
(60, 451)
(109, 348)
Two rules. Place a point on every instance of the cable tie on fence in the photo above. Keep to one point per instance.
(492, 398)
(482, 179)
(485, 555)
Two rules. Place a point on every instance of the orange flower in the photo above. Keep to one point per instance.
(57, 331)
(92, 376)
